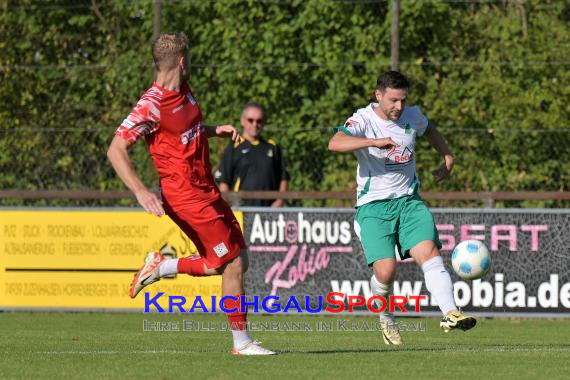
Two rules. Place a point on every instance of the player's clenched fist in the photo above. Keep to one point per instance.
(385, 143)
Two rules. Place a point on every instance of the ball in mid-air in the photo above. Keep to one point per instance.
(471, 259)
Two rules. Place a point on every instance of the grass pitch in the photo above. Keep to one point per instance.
(114, 346)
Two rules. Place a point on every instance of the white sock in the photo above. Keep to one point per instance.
(384, 290)
(241, 338)
(438, 283)
(168, 267)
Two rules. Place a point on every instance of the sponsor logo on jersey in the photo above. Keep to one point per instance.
(191, 134)
(221, 249)
(399, 157)
(245, 151)
(270, 153)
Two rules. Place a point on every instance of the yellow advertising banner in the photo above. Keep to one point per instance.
(87, 259)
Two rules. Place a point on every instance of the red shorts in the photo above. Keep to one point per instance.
(214, 230)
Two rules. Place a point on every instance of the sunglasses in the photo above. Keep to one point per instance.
(259, 121)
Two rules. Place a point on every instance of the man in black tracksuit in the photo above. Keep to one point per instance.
(253, 163)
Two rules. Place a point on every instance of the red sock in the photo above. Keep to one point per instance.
(237, 319)
(193, 265)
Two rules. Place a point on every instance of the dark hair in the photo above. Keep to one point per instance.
(254, 105)
(392, 79)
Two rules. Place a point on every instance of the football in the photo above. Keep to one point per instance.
(471, 259)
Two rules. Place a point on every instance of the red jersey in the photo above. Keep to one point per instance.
(171, 123)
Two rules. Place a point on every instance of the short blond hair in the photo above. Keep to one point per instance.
(167, 49)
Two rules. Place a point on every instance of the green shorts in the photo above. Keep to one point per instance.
(385, 224)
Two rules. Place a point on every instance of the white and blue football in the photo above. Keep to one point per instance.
(471, 259)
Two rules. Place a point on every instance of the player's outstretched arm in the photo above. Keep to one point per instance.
(222, 131)
(438, 142)
(344, 143)
(118, 154)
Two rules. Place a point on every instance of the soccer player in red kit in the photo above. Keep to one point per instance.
(169, 118)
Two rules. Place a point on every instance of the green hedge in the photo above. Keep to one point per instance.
(493, 76)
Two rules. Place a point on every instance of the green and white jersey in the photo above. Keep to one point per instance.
(386, 173)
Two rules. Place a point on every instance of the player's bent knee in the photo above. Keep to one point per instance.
(235, 267)
(385, 270)
(432, 252)
(424, 251)
(385, 277)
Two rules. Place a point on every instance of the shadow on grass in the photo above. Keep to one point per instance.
(457, 349)
(361, 351)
